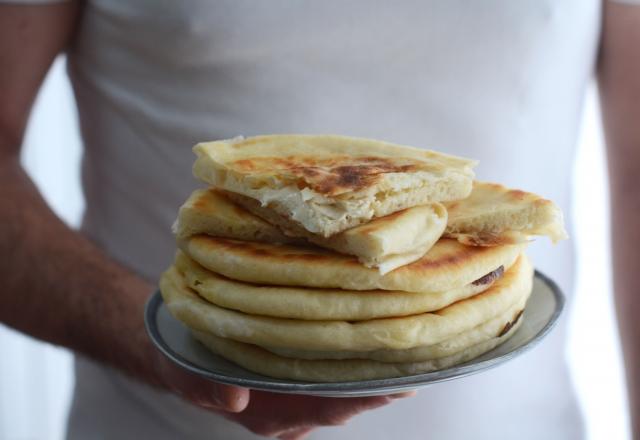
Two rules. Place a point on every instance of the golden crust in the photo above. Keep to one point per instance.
(448, 265)
(396, 333)
(207, 211)
(319, 303)
(259, 360)
(385, 242)
(327, 184)
(328, 164)
(495, 215)
(330, 176)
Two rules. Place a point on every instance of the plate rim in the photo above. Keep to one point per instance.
(155, 301)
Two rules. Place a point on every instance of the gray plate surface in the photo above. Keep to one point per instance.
(174, 340)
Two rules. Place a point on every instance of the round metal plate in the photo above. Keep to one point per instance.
(174, 340)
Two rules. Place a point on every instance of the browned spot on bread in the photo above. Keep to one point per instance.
(452, 206)
(272, 251)
(332, 175)
(201, 203)
(245, 164)
(517, 194)
(490, 277)
(358, 176)
(510, 324)
(310, 171)
(305, 257)
(542, 202)
(238, 210)
(260, 252)
(485, 239)
(456, 255)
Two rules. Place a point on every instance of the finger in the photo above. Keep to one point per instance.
(229, 398)
(338, 411)
(203, 392)
(220, 397)
(296, 434)
(305, 411)
(272, 415)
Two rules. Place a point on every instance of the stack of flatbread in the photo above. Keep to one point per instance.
(328, 258)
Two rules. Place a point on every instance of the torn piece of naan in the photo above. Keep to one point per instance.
(385, 243)
(496, 215)
(327, 184)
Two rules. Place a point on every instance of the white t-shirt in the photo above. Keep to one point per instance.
(501, 81)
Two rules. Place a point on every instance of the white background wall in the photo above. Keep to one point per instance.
(36, 378)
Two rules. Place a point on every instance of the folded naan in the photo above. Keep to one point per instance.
(495, 215)
(385, 243)
(327, 184)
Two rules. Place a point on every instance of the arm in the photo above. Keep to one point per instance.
(56, 282)
(619, 83)
(61, 288)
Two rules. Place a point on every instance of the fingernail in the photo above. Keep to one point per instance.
(403, 395)
(239, 403)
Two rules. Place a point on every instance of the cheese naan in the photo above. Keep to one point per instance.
(385, 243)
(327, 184)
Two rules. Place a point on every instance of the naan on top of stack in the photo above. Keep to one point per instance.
(494, 215)
(385, 242)
(327, 184)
